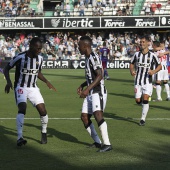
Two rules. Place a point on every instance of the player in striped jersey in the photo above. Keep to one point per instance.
(144, 62)
(27, 70)
(162, 75)
(95, 95)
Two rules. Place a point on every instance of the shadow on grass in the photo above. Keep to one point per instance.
(154, 155)
(122, 95)
(114, 116)
(60, 135)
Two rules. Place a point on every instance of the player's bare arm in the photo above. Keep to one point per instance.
(132, 72)
(99, 77)
(80, 88)
(42, 78)
(7, 77)
(158, 68)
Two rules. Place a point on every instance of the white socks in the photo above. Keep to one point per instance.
(92, 132)
(145, 108)
(158, 91)
(44, 122)
(167, 90)
(104, 133)
(20, 122)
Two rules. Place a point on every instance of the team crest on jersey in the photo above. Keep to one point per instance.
(148, 59)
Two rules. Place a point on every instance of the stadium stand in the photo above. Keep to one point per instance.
(119, 8)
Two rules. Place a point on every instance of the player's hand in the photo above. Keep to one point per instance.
(151, 72)
(50, 86)
(79, 90)
(133, 73)
(8, 87)
(84, 93)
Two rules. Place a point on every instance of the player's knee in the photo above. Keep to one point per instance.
(165, 82)
(145, 102)
(22, 112)
(43, 112)
(84, 118)
(22, 108)
(138, 101)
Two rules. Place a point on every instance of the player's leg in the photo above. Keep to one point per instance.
(37, 100)
(21, 98)
(138, 94)
(147, 92)
(158, 85)
(44, 121)
(98, 106)
(85, 117)
(104, 64)
(165, 82)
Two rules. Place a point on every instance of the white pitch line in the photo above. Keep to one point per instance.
(92, 118)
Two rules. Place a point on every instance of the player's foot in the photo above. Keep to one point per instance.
(43, 138)
(95, 145)
(168, 99)
(21, 142)
(141, 123)
(157, 100)
(107, 78)
(105, 148)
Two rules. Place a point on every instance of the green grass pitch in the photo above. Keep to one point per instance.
(134, 147)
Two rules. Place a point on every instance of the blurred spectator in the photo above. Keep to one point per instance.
(95, 11)
(147, 9)
(124, 11)
(153, 8)
(159, 6)
(57, 10)
(86, 2)
(76, 3)
(117, 55)
(119, 12)
(101, 11)
(127, 9)
(67, 9)
(81, 9)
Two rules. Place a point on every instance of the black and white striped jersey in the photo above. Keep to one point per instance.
(144, 63)
(26, 69)
(93, 63)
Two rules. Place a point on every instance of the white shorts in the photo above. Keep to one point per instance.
(162, 75)
(94, 102)
(143, 89)
(32, 94)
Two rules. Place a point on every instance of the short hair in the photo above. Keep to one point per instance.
(104, 43)
(146, 37)
(86, 38)
(156, 43)
(35, 40)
